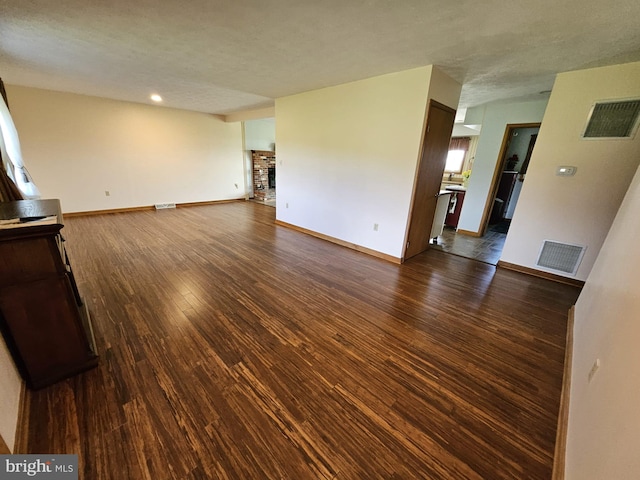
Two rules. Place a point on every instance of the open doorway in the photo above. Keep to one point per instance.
(259, 138)
(509, 177)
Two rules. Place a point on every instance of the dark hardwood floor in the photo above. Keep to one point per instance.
(232, 348)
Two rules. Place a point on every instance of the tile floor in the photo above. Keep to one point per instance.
(486, 249)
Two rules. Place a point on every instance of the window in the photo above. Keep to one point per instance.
(455, 159)
(458, 147)
(11, 155)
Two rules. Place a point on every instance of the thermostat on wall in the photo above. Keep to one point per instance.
(566, 171)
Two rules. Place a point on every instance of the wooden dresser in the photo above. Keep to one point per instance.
(45, 324)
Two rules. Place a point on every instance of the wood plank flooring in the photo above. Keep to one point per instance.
(232, 348)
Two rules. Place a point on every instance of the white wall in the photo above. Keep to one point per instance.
(260, 134)
(604, 415)
(347, 156)
(9, 396)
(496, 118)
(520, 145)
(77, 146)
(579, 209)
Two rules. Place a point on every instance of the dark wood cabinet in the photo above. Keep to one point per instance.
(455, 207)
(45, 324)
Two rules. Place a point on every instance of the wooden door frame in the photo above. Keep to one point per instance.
(495, 181)
(425, 124)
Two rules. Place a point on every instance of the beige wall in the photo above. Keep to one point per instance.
(443, 89)
(604, 414)
(77, 147)
(494, 119)
(347, 155)
(11, 384)
(260, 134)
(579, 209)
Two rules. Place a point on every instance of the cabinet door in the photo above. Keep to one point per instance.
(46, 329)
(453, 217)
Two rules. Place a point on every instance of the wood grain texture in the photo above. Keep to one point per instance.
(233, 348)
(146, 207)
(542, 274)
(337, 241)
(4, 449)
(559, 457)
(21, 443)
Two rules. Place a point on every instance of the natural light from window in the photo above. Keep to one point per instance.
(455, 158)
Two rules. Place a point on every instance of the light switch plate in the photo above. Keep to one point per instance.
(566, 171)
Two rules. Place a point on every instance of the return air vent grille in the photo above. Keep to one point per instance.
(561, 257)
(162, 206)
(613, 119)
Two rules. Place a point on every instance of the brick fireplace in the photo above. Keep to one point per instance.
(264, 174)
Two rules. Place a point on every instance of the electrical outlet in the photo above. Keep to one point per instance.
(375, 227)
(594, 368)
(107, 193)
(286, 205)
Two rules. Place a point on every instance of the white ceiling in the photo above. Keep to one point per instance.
(229, 55)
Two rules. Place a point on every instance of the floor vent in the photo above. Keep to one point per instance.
(162, 206)
(561, 257)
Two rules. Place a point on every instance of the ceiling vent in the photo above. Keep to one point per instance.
(561, 257)
(617, 119)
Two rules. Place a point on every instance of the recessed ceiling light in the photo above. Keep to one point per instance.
(155, 97)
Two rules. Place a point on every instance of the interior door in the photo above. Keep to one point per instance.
(435, 146)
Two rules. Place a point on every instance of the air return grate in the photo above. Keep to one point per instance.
(162, 206)
(561, 257)
(613, 119)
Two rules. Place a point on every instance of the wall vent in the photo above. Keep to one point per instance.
(616, 119)
(561, 257)
(162, 206)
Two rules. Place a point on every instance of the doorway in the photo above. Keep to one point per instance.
(259, 138)
(509, 176)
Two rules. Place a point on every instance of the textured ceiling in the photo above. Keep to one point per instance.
(229, 55)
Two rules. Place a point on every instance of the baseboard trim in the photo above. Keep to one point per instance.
(149, 207)
(539, 273)
(560, 452)
(469, 233)
(342, 243)
(21, 444)
(209, 202)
